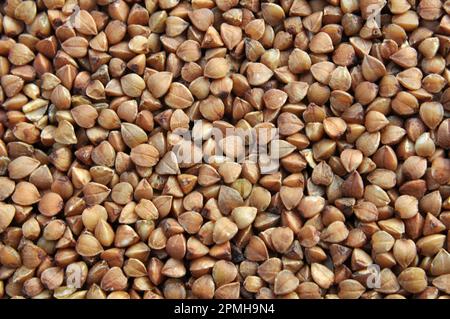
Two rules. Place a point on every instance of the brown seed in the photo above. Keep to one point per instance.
(125, 236)
(253, 284)
(282, 238)
(372, 68)
(258, 74)
(405, 57)
(274, 98)
(145, 155)
(336, 232)
(176, 246)
(340, 79)
(228, 199)
(178, 96)
(216, 68)
(11, 84)
(299, 61)
(272, 13)
(311, 205)
(9, 257)
(88, 246)
(290, 196)
(244, 216)
(84, 115)
(121, 193)
(289, 123)
(228, 291)
(256, 249)
(85, 23)
(224, 230)
(104, 233)
(231, 35)
(189, 51)
(321, 43)
(322, 174)
(20, 54)
(114, 280)
(386, 179)
(323, 276)
(76, 47)
(255, 29)
(406, 206)
(269, 269)
(414, 167)
(366, 211)
(33, 287)
(334, 127)
(191, 221)
(442, 283)
(353, 186)
(203, 287)
(229, 171)
(65, 133)
(6, 216)
(440, 170)
(350, 289)
(22, 166)
(351, 159)
(321, 71)
(375, 121)
(382, 242)
(431, 114)
(52, 277)
(132, 134)
(26, 11)
(32, 255)
(308, 236)
(201, 18)
(25, 194)
(410, 78)
(430, 245)
(134, 268)
(173, 268)
(132, 85)
(404, 252)
(285, 282)
(51, 204)
(389, 282)
(159, 83)
(413, 279)
(224, 272)
(232, 146)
